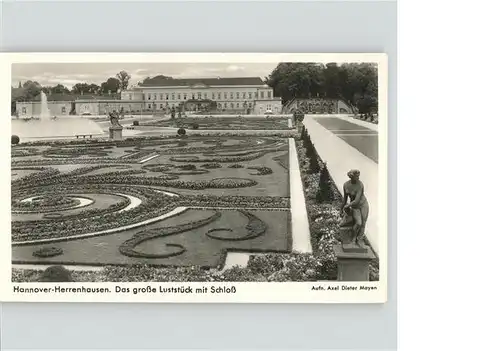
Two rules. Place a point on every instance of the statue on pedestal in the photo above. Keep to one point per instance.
(115, 131)
(114, 119)
(355, 213)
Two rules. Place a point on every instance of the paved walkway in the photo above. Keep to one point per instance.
(363, 139)
(300, 224)
(340, 157)
(350, 118)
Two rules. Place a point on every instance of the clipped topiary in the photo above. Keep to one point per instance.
(195, 126)
(14, 140)
(56, 274)
(181, 131)
(325, 191)
(135, 123)
(313, 163)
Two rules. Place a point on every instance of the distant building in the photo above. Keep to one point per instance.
(246, 95)
(67, 105)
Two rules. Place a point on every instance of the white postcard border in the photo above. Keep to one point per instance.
(289, 292)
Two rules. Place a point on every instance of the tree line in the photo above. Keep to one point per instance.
(355, 83)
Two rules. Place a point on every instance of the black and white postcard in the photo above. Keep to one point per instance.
(194, 178)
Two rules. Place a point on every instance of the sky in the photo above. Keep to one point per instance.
(69, 74)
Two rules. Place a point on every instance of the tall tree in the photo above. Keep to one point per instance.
(297, 80)
(355, 83)
(124, 78)
(156, 80)
(110, 86)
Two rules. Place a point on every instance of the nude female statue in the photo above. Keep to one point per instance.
(357, 206)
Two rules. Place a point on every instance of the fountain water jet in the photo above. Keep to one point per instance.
(63, 127)
(44, 107)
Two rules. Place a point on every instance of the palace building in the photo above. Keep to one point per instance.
(245, 95)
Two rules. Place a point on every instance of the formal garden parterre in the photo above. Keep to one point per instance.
(174, 217)
(172, 211)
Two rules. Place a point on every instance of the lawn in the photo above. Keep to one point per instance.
(107, 203)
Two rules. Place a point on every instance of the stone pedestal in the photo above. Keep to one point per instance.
(115, 133)
(353, 262)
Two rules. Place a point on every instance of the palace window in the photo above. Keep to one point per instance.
(205, 95)
(225, 95)
(149, 106)
(161, 105)
(24, 110)
(261, 94)
(219, 105)
(244, 95)
(225, 105)
(213, 96)
(232, 105)
(269, 94)
(161, 96)
(218, 96)
(63, 109)
(149, 96)
(166, 96)
(232, 95)
(237, 105)
(249, 104)
(237, 95)
(185, 96)
(154, 97)
(199, 96)
(256, 95)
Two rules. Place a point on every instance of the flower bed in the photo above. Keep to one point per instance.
(263, 202)
(255, 228)
(215, 123)
(154, 204)
(48, 252)
(261, 170)
(69, 152)
(52, 202)
(211, 165)
(128, 247)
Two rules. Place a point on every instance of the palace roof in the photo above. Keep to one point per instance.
(173, 82)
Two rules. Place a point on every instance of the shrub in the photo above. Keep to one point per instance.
(135, 123)
(181, 131)
(56, 274)
(195, 126)
(14, 140)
